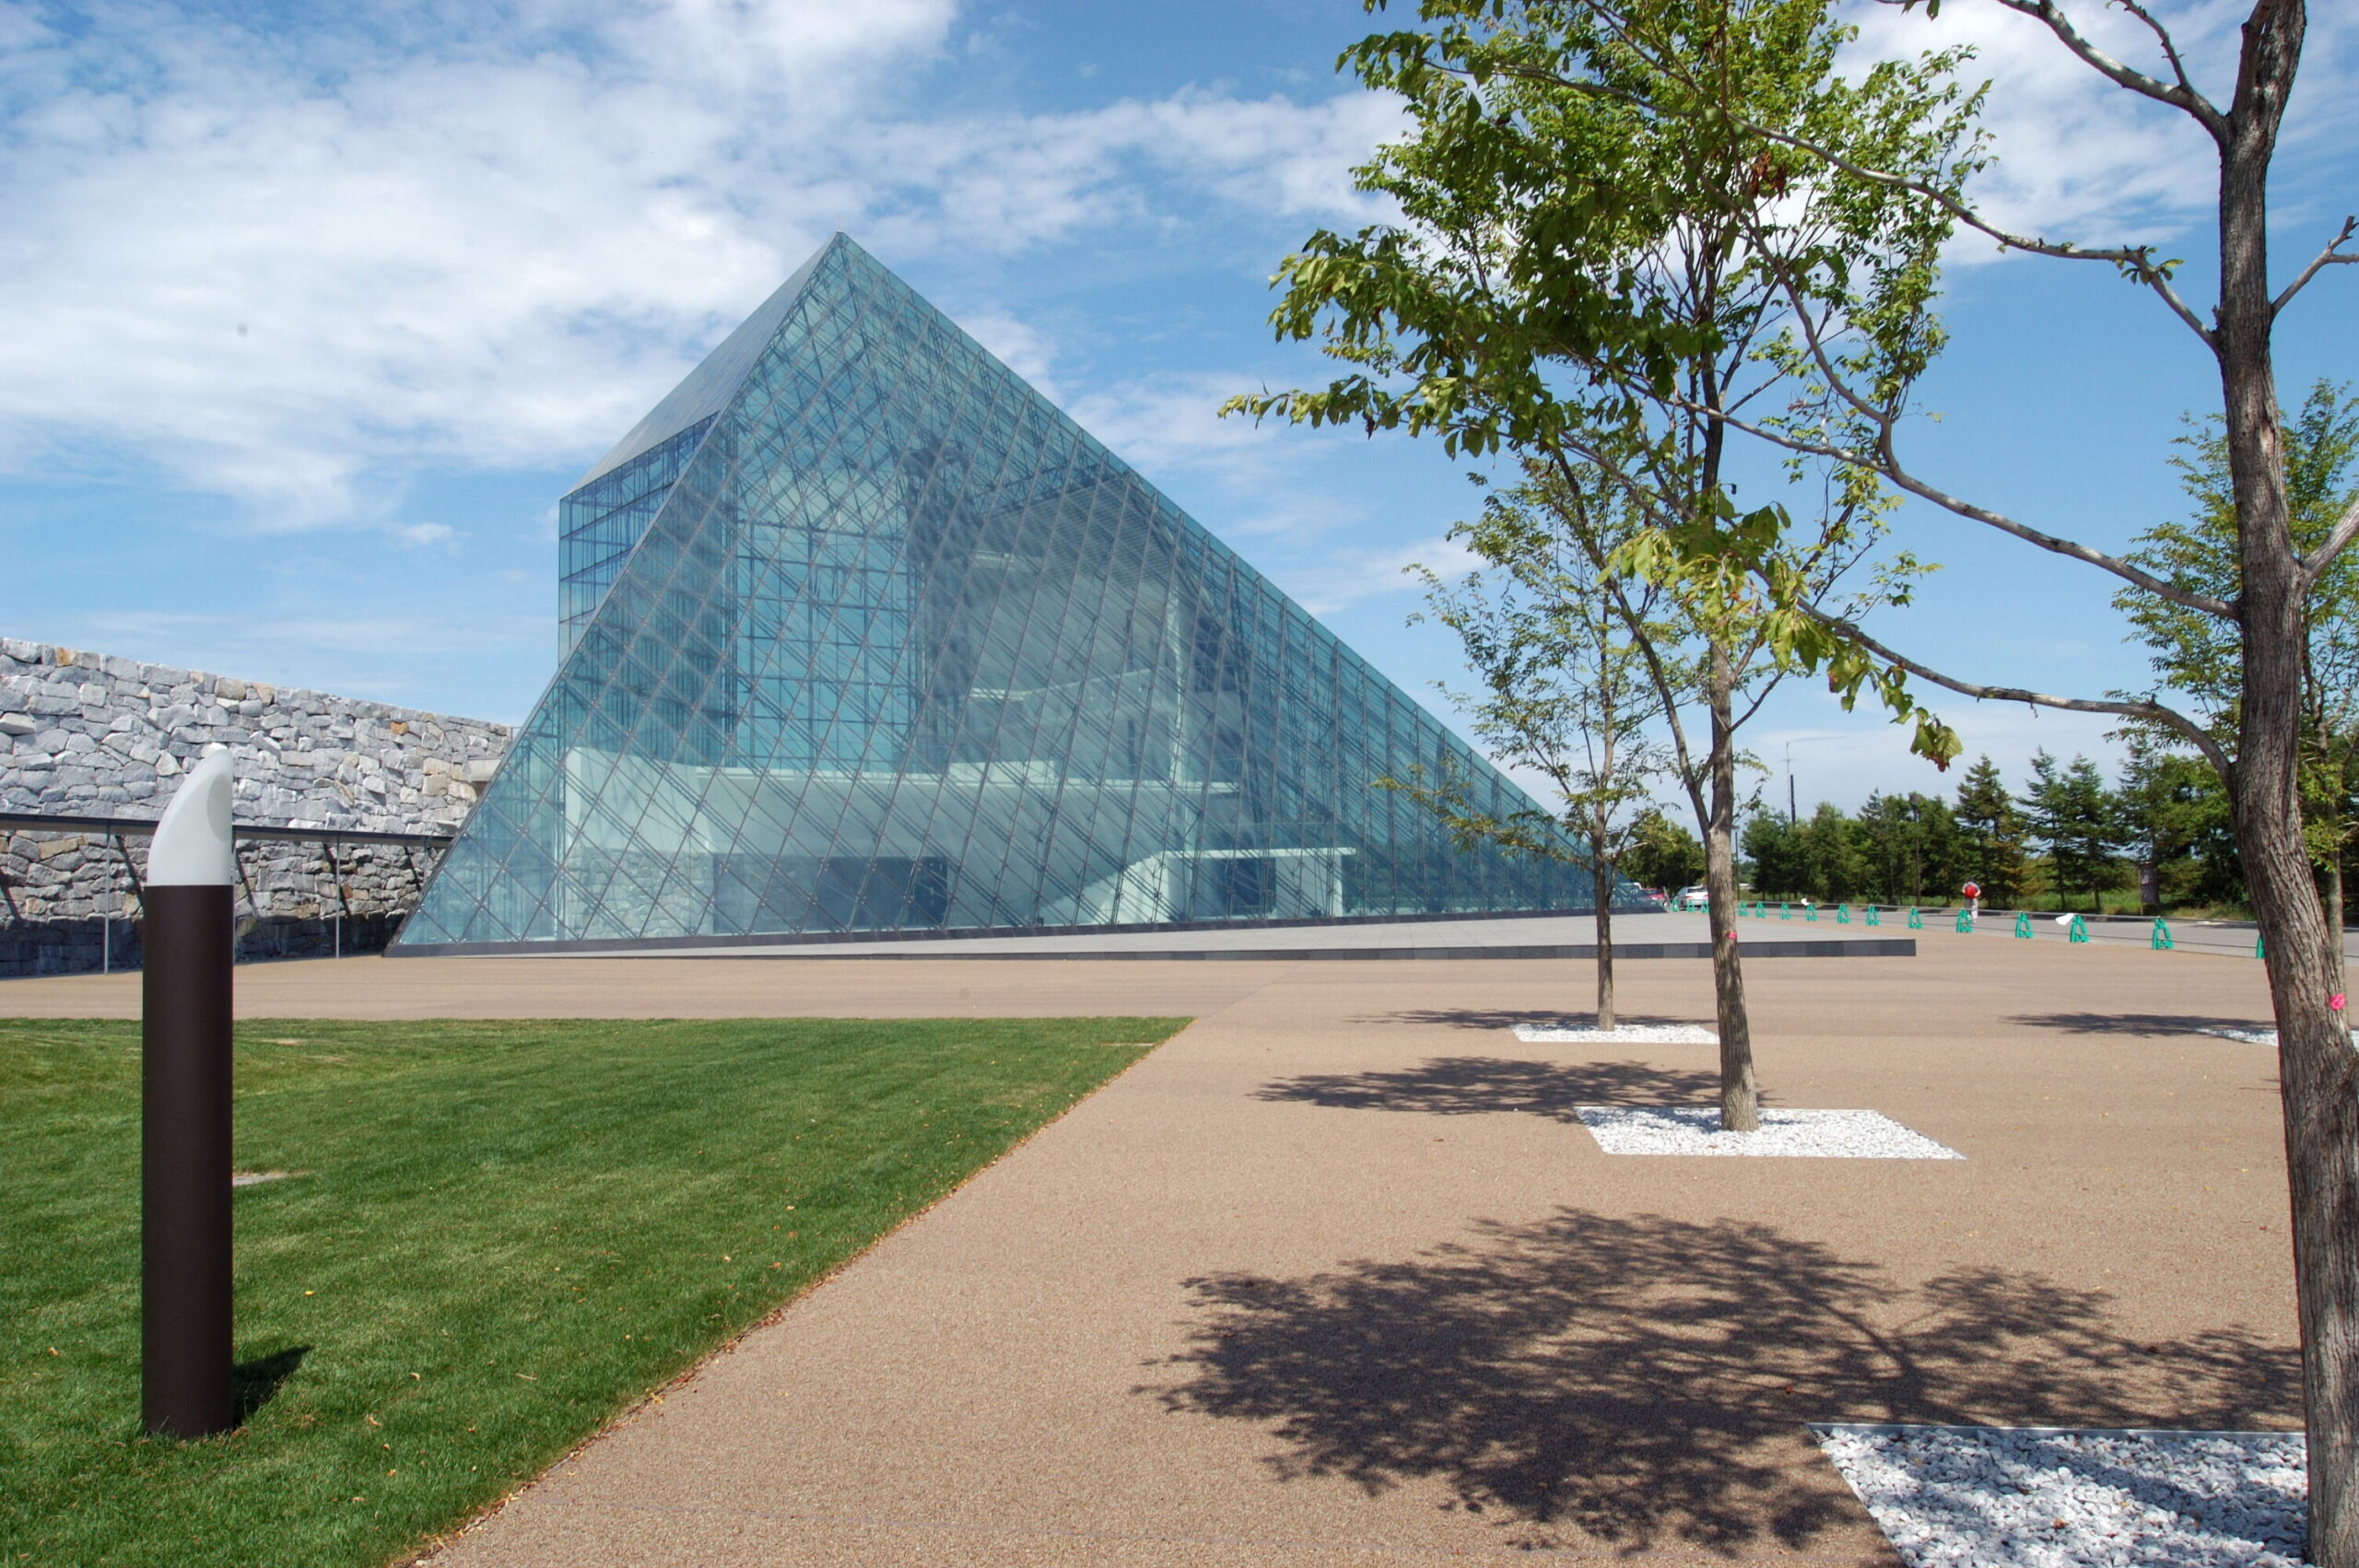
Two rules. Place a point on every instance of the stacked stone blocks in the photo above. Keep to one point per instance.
(84, 734)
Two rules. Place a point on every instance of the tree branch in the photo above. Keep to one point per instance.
(2135, 261)
(1738, 721)
(2314, 565)
(2162, 35)
(1879, 415)
(1691, 777)
(1889, 465)
(1890, 468)
(2180, 95)
(2154, 712)
(2330, 256)
(2159, 281)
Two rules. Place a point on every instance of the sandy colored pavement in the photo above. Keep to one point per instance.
(1336, 1277)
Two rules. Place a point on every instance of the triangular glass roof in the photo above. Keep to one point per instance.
(862, 633)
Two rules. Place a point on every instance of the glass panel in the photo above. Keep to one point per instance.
(885, 641)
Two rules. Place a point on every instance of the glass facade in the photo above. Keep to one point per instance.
(862, 633)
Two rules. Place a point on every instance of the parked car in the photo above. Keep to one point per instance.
(1694, 897)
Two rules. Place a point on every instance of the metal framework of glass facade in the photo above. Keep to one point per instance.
(861, 632)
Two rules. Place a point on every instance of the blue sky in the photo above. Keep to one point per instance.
(314, 312)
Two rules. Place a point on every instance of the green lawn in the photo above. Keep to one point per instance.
(499, 1235)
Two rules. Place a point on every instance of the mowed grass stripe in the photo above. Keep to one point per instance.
(500, 1234)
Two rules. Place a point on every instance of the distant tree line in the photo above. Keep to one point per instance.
(2159, 838)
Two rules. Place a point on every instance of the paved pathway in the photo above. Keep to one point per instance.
(1335, 1277)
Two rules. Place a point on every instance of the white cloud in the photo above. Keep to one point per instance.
(1004, 184)
(291, 267)
(1173, 422)
(422, 534)
(1845, 757)
(2078, 157)
(1270, 155)
(1345, 576)
(1017, 345)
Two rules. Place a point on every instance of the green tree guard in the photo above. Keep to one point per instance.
(2162, 935)
(1874, 918)
(1842, 914)
(1965, 920)
(1785, 911)
(2022, 924)
(2076, 931)
(1810, 913)
(2257, 951)
(1916, 918)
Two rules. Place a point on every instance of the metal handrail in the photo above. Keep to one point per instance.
(39, 822)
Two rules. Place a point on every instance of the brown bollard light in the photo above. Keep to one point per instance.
(184, 1327)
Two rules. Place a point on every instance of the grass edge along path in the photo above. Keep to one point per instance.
(497, 1238)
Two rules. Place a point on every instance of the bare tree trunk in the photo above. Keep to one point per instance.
(1602, 831)
(1605, 883)
(2334, 918)
(2316, 1066)
(2319, 1073)
(1740, 1106)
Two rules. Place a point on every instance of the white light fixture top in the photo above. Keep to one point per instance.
(192, 847)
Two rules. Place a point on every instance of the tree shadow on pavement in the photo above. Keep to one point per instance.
(1508, 1018)
(2145, 1025)
(1474, 1085)
(1637, 1381)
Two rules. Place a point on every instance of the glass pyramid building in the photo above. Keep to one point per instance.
(862, 634)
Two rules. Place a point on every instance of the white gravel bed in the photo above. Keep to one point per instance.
(1809, 1135)
(2033, 1497)
(2249, 1036)
(1628, 1034)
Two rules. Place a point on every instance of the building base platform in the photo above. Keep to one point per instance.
(1635, 936)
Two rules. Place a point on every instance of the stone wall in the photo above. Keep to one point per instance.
(88, 735)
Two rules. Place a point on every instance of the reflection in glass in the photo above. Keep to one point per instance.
(861, 632)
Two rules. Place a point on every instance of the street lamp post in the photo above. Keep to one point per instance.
(184, 1341)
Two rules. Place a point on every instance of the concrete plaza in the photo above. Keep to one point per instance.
(1337, 1277)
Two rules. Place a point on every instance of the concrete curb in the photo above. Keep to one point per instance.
(1883, 947)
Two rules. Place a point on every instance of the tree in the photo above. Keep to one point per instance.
(1830, 855)
(1857, 422)
(1563, 692)
(1585, 278)
(1991, 832)
(1663, 853)
(1908, 843)
(2173, 814)
(2199, 656)
(1774, 846)
(1887, 844)
(2071, 814)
